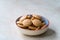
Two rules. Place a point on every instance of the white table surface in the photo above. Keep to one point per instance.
(12, 9)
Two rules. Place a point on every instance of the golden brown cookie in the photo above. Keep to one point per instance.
(36, 22)
(19, 25)
(28, 16)
(36, 16)
(19, 22)
(32, 27)
(33, 18)
(27, 22)
(22, 18)
(43, 27)
(42, 24)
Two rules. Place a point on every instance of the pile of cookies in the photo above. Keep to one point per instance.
(31, 22)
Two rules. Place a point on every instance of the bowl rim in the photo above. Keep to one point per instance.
(32, 30)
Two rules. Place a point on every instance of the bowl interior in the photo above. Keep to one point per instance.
(43, 19)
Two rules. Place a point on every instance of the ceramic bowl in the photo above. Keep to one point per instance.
(34, 32)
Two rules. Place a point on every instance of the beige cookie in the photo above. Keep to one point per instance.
(36, 22)
(43, 27)
(28, 17)
(32, 27)
(37, 28)
(27, 22)
(22, 18)
(33, 18)
(42, 24)
(19, 25)
(36, 16)
(19, 22)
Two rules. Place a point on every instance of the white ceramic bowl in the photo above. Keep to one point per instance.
(37, 32)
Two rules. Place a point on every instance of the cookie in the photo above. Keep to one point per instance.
(29, 16)
(33, 18)
(19, 25)
(36, 16)
(19, 22)
(42, 24)
(36, 22)
(22, 18)
(27, 22)
(32, 28)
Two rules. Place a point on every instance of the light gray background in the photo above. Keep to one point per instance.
(12, 9)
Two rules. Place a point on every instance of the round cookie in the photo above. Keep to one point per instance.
(27, 22)
(36, 22)
(22, 18)
(36, 16)
(21, 26)
(32, 27)
(19, 22)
